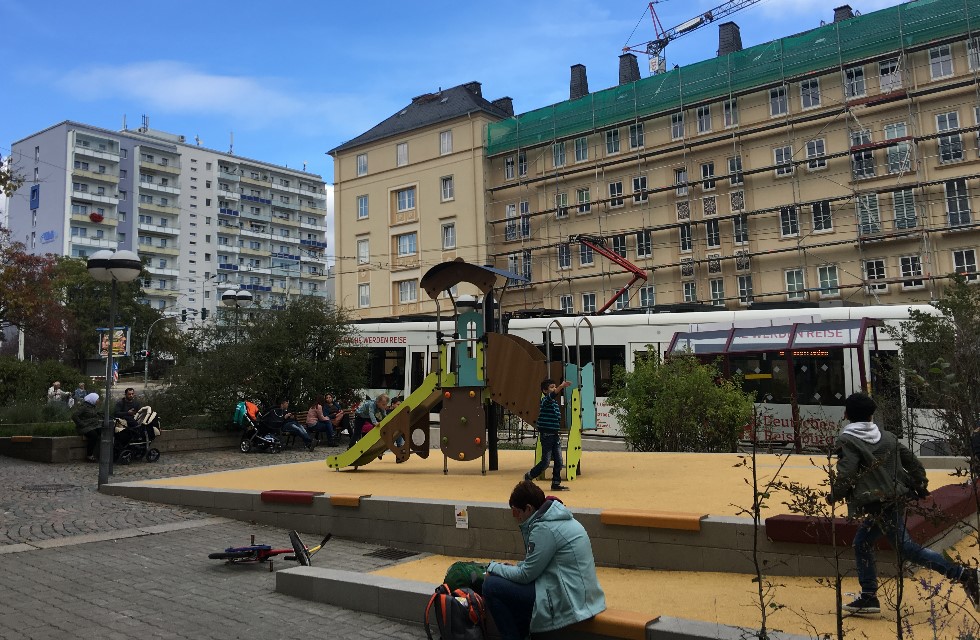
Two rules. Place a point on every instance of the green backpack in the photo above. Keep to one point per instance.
(466, 575)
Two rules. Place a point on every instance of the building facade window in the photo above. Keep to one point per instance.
(965, 264)
(789, 222)
(904, 206)
(875, 270)
(708, 176)
(565, 304)
(777, 102)
(585, 255)
(889, 75)
(854, 86)
(510, 226)
(445, 142)
(401, 154)
(795, 288)
(581, 149)
(564, 256)
(363, 251)
(644, 244)
(407, 244)
(899, 154)
(363, 296)
(448, 235)
(362, 164)
(704, 119)
(561, 205)
(680, 182)
(405, 199)
(869, 217)
(829, 282)
(957, 202)
(648, 296)
(686, 240)
(745, 290)
(730, 107)
(677, 126)
(783, 157)
(862, 160)
(509, 168)
(810, 93)
(522, 163)
(816, 150)
(740, 229)
(588, 303)
(408, 291)
(558, 154)
(584, 198)
(822, 219)
(950, 146)
(941, 61)
(622, 301)
(716, 288)
(911, 267)
(362, 207)
(735, 176)
(636, 135)
(619, 245)
(713, 233)
(447, 188)
(612, 142)
(615, 194)
(690, 291)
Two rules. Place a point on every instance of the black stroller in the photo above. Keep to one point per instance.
(133, 442)
(255, 436)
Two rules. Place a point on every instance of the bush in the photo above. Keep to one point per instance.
(22, 381)
(34, 412)
(41, 430)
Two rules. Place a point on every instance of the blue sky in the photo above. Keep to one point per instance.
(293, 79)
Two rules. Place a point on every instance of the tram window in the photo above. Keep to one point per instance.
(763, 374)
(820, 378)
(383, 366)
(417, 371)
(606, 358)
(920, 357)
(884, 374)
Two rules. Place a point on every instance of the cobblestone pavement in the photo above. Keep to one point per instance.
(76, 563)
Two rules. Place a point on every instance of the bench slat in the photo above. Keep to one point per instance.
(617, 623)
(289, 497)
(347, 499)
(653, 519)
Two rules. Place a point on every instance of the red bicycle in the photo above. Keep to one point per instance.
(262, 552)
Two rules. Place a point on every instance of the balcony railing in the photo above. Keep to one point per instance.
(228, 212)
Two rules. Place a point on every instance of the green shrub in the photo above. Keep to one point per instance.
(22, 381)
(46, 430)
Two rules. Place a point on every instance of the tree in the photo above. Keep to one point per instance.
(25, 284)
(678, 405)
(295, 353)
(9, 180)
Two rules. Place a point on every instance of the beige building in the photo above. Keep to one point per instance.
(409, 194)
(839, 164)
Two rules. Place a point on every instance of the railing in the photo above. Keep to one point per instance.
(228, 212)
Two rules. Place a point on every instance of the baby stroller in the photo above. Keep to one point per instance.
(132, 442)
(255, 437)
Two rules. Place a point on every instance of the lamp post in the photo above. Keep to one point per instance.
(146, 349)
(237, 298)
(109, 266)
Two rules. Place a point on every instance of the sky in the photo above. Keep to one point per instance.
(292, 79)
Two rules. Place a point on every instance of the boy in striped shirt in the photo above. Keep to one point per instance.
(549, 426)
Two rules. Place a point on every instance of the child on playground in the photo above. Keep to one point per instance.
(549, 430)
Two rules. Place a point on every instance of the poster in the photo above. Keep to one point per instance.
(120, 342)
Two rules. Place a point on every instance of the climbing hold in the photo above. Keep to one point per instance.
(462, 456)
(448, 394)
(476, 441)
(463, 419)
(445, 440)
(472, 393)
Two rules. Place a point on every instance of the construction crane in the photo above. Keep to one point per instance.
(598, 245)
(655, 48)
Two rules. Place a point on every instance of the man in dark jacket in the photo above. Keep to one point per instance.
(127, 406)
(282, 420)
(876, 474)
(88, 424)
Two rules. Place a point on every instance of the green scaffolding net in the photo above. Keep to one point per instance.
(906, 26)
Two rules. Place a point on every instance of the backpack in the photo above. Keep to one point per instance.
(460, 614)
(240, 412)
(467, 575)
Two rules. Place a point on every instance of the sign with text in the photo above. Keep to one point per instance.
(120, 342)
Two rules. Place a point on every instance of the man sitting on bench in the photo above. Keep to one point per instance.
(282, 420)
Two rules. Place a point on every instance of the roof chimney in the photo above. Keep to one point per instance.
(629, 69)
(843, 13)
(505, 104)
(474, 88)
(729, 38)
(578, 86)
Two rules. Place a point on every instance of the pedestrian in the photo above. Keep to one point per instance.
(281, 420)
(56, 394)
(368, 415)
(876, 474)
(80, 392)
(555, 585)
(318, 422)
(549, 433)
(88, 425)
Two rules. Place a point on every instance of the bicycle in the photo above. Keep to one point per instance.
(262, 552)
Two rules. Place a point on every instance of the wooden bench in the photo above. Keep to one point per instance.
(285, 496)
(614, 623)
(347, 499)
(653, 519)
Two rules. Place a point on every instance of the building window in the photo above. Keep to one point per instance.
(623, 301)
(677, 126)
(690, 292)
(704, 119)
(619, 245)
(713, 233)
(362, 207)
(558, 154)
(448, 236)
(708, 176)
(680, 182)
(965, 263)
(904, 204)
(957, 202)
(362, 166)
(686, 241)
(525, 209)
(777, 101)
(822, 219)
(561, 205)
(794, 284)
(735, 176)
(889, 75)
(810, 93)
(941, 61)
(730, 107)
(862, 160)
(510, 227)
(898, 154)
(401, 154)
(636, 135)
(644, 244)
(744, 290)
(406, 199)
(363, 251)
(583, 197)
(447, 188)
(445, 142)
(854, 82)
(521, 163)
(648, 296)
(408, 291)
(740, 229)
(911, 267)
(816, 151)
(509, 168)
(973, 53)
(581, 149)
(565, 304)
(716, 288)
(585, 255)
(869, 218)
(588, 303)
(612, 142)
(789, 222)
(363, 296)
(564, 256)
(829, 282)
(783, 157)
(615, 194)
(875, 270)
(406, 244)
(639, 189)
(951, 146)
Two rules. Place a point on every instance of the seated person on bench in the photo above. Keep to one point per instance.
(282, 420)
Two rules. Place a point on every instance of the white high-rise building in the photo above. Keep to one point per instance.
(202, 220)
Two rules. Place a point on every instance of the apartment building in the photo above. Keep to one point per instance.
(409, 194)
(836, 165)
(203, 221)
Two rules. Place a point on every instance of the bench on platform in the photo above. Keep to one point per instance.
(285, 496)
(347, 499)
(653, 519)
(613, 623)
(931, 517)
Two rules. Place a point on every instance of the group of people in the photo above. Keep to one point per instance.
(57, 394)
(89, 423)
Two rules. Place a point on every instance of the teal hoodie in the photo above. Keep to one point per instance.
(559, 562)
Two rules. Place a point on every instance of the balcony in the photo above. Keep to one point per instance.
(255, 232)
(227, 267)
(313, 226)
(249, 251)
(313, 244)
(98, 176)
(228, 175)
(108, 219)
(172, 189)
(256, 287)
(264, 217)
(229, 248)
(228, 212)
(308, 209)
(159, 208)
(168, 250)
(156, 228)
(258, 199)
(228, 195)
(284, 256)
(259, 182)
(161, 293)
(284, 219)
(161, 271)
(95, 197)
(166, 166)
(106, 154)
(102, 243)
(292, 206)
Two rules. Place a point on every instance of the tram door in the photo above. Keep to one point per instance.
(422, 361)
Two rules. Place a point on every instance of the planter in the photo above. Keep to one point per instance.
(69, 448)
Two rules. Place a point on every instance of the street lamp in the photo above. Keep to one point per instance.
(108, 266)
(237, 298)
(146, 349)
